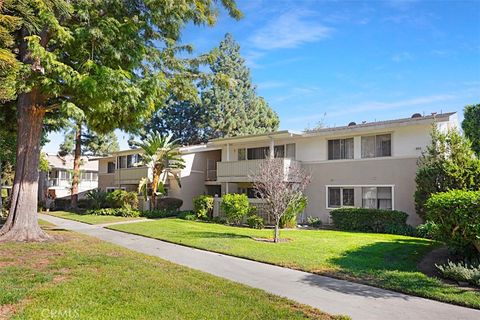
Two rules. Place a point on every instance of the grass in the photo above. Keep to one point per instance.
(387, 261)
(80, 277)
(90, 218)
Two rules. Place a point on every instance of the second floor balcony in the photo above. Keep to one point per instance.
(241, 171)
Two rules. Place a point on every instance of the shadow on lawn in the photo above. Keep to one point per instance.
(206, 234)
(387, 264)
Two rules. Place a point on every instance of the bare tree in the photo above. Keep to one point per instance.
(279, 184)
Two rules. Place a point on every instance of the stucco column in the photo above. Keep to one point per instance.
(228, 151)
(272, 148)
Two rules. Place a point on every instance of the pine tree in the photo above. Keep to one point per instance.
(234, 108)
(471, 126)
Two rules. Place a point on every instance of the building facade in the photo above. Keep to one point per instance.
(369, 165)
(57, 182)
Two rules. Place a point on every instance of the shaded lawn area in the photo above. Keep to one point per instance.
(382, 260)
(90, 218)
(83, 278)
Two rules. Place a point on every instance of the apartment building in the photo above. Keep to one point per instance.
(369, 165)
(57, 182)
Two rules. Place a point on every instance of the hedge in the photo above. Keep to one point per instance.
(370, 220)
(457, 215)
(203, 206)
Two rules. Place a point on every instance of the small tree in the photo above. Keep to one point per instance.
(162, 155)
(280, 186)
(448, 163)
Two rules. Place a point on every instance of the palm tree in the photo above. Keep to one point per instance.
(162, 155)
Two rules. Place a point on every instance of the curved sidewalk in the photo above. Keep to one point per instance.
(327, 294)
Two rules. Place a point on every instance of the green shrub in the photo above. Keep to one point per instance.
(255, 222)
(119, 212)
(203, 206)
(122, 199)
(289, 218)
(314, 222)
(98, 199)
(427, 230)
(155, 214)
(84, 204)
(369, 220)
(169, 204)
(235, 206)
(62, 204)
(457, 215)
(187, 215)
(404, 230)
(461, 272)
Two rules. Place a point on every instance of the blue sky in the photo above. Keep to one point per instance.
(345, 61)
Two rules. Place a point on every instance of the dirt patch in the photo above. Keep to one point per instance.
(436, 256)
(281, 240)
(6, 311)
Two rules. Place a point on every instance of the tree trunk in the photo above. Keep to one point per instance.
(156, 178)
(22, 221)
(275, 237)
(76, 166)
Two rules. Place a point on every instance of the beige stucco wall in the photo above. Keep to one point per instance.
(105, 180)
(397, 172)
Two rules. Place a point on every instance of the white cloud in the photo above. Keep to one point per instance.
(402, 56)
(290, 30)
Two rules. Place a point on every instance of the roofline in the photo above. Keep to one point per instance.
(287, 133)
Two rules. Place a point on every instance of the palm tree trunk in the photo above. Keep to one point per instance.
(76, 166)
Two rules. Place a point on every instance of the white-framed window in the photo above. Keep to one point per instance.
(338, 197)
(110, 167)
(340, 149)
(279, 151)
(377, 197)
(377, 146)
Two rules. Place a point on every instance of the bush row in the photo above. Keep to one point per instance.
(461, 272)
(371, 220)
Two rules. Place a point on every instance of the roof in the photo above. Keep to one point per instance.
(255, 137)
(386, 123)
(66, 162)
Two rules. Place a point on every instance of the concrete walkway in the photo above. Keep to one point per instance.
(330, 295)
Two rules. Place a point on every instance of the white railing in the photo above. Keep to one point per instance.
(57, 182)
(240, 171)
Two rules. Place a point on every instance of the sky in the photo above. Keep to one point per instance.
(340, 61)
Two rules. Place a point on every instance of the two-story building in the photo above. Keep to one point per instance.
(369, 165)
(57, 182)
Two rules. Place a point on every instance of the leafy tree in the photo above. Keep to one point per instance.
(471, 126)
(162, 155)
(185, 120)
(234, 109)
(448, 163)
(92, 143)
(111, 60)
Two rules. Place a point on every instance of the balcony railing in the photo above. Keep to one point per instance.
(241, 171)
(57, 182)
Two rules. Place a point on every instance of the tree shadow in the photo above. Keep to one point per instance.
(213, 235)
(391, 265)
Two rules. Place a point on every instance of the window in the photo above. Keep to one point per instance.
(279, 151)
(340, 149)
(377, 198)
(258, 153)
(111, 167)
(242, 154)
(290, 148)
(65, 175)
(377, 146)
(340, 197)
(121, 162)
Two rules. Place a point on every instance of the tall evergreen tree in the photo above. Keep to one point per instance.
(111, 60)
(92, 143)
(471, 126)
(234, 108)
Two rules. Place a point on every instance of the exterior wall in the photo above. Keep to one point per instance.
(105, 180)
(193, 177)
(400, 173)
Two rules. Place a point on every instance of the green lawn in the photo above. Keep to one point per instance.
(89, 218)
(79, 277)
(382, 260)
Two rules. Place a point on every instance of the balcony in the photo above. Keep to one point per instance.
(240, 171)
(130, 175)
